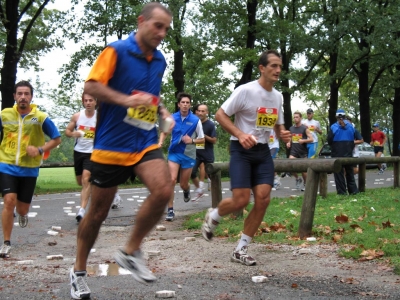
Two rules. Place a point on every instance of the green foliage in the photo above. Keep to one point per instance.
(40, 37)
(100, 23)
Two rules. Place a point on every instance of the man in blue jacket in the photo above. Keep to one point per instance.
(341, 139)
(187, 132)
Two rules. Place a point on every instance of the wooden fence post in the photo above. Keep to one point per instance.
(323, 184)
(309, 202)
(362, 167)
(216, 188)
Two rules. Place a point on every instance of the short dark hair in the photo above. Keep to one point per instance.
(195, 108)
(23, 83)
(263, 60)
(297, 113)
(148, 8)
(183, 95)
(83, 94)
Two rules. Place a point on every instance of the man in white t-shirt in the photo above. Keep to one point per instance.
(82, 127)
(257, 107)
(314, 128)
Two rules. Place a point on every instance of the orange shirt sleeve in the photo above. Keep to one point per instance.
(104, 66)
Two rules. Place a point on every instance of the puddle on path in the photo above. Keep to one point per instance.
(106, 270)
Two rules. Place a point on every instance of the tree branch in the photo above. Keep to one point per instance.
(30, 25)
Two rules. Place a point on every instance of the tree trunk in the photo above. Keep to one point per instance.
(363, 99)
(287, 108)
(250, 41)
(334, 87)
(11, 55)
(396, 119)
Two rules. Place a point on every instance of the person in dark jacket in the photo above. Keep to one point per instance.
(341, 140)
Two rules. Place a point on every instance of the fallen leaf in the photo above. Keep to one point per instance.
(342, 219)
(337, 237)
(387, 224)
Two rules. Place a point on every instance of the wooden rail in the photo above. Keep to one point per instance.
(317, 170)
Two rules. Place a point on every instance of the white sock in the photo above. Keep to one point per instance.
(82, 210)
(215, 216)
(201, 184)
(244, 241)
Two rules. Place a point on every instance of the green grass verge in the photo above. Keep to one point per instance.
(365, 226)
(62, 180)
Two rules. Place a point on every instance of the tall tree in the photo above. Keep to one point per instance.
(27, 29)
(101, 22)
(251, 35)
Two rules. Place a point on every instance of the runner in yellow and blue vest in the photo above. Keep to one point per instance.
(21, 152)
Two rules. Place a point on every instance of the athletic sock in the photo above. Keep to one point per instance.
(8, 243)
(201, 184)
(244, 241)
(215, 216)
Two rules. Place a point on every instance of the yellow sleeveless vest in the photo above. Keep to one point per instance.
(19, 133)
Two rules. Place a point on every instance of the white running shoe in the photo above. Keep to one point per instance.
(199, 194)
(136, 265)
(5, 250)
(80, 214)
(23, 220)
(277, 185)
(116, 202)
(79, 287)
(209, 225)
(242, 257)
(299, 181)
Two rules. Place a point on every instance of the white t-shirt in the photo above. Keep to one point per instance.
(273, 141)
(312, 125)
(256, 110)
(87, 126)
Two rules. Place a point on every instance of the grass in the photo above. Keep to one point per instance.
(61, 180)
(365, 226)
(56, 180)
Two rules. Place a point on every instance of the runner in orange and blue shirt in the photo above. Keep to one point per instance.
(126, 80)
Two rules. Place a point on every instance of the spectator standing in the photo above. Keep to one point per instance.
(341, 140)
(301, 136)
(23, 128)
(257, 107)
(358, 139)
(187, 132)
(205, 151)
(315, 129)
(378, 141)
(126, 79)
